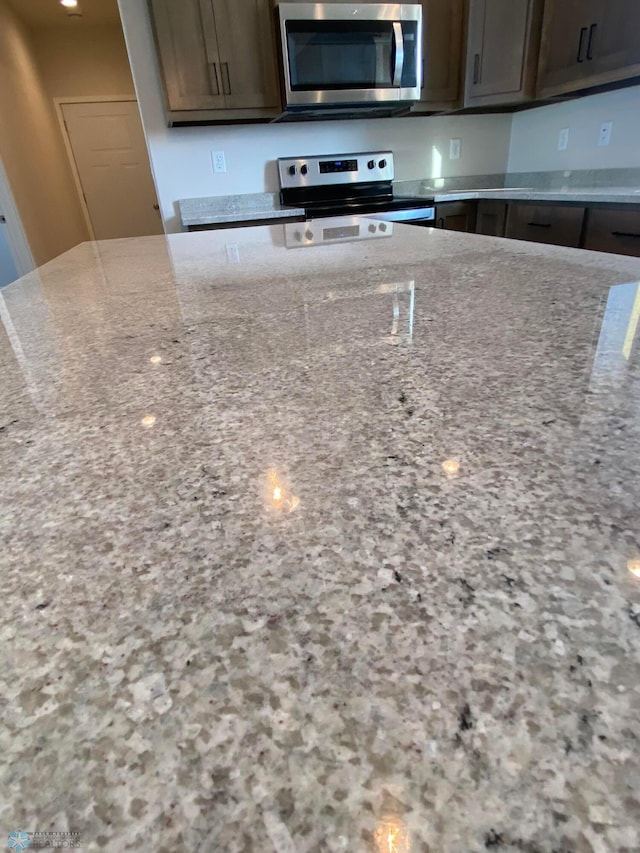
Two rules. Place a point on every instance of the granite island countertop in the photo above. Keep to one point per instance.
(322, 549)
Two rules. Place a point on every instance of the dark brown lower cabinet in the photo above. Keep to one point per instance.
(602, 228)
(541, 223)
(613, 231)
(456, 216)
(491, 218)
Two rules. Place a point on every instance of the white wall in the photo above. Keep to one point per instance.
(31, 148)
(181, 157)
(534, 135)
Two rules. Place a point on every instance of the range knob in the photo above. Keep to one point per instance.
(304, 169)
(382, 164)
(371, 164)
(292, 170)
(383, 226)
(298, 236)
(373, 228)
(308, 234)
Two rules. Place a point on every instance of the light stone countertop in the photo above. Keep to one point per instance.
(223, 210)
(247, 608)
(587, 195)
(248, 207)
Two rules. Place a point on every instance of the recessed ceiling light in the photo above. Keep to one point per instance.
(70, 4)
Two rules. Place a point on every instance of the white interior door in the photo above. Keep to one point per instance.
(8, 269)
(112, 163)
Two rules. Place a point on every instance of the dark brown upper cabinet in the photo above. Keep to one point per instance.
(443, 23)
(217, 59)
(588, 43)
(503, 40)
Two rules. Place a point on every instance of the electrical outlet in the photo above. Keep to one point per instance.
(219, 163)
(605, 133)
(563, 139)
(455, 146)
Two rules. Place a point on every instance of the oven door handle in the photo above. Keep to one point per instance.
(398, 53)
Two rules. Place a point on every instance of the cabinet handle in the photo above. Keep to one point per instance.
(592, 30)
(539, 224)
(476, 68)
(440, 223)
(625, 234)
(213, 77)
(580, 43)
(226, 80)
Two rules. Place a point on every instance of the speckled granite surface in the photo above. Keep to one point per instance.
(222, 210)
(246, 608)
(588, 195)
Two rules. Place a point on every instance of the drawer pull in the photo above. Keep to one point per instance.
(580, 43)
(592, 30)
(539, 224)
(625, 234)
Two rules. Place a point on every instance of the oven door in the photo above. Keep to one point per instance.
(361, 54)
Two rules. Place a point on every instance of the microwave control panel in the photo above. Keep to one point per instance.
(330, 169)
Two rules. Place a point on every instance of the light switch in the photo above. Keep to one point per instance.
(455, 146)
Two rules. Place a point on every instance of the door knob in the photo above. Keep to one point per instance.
(156, 207)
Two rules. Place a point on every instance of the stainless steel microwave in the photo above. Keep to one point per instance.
(350, 56)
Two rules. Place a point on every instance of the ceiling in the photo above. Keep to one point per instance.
(49, 13)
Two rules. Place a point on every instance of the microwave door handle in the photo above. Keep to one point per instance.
(398, 43)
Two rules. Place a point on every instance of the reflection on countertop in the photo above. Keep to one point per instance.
(332, 550)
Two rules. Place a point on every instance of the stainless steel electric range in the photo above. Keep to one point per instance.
(349, 185)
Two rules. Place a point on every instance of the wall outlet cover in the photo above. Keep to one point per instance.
(563, 139)
(219, 162)
(455, 148)
(233, 253)
(604, 137)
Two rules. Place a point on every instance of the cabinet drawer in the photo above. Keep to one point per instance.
(541, 223)
(613, 231)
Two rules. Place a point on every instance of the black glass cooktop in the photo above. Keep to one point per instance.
(360, 207)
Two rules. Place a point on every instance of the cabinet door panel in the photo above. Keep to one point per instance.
(565, 35)
(442, 34)
(188, 53)
(615, 43)
(540, 223)
(247, 53)
(455, 216)
(502, 51)
(491, 218)
(588, 43)
(613, 231)
(504, 23)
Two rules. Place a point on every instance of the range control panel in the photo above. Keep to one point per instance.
(325, 170)
(338, 229)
